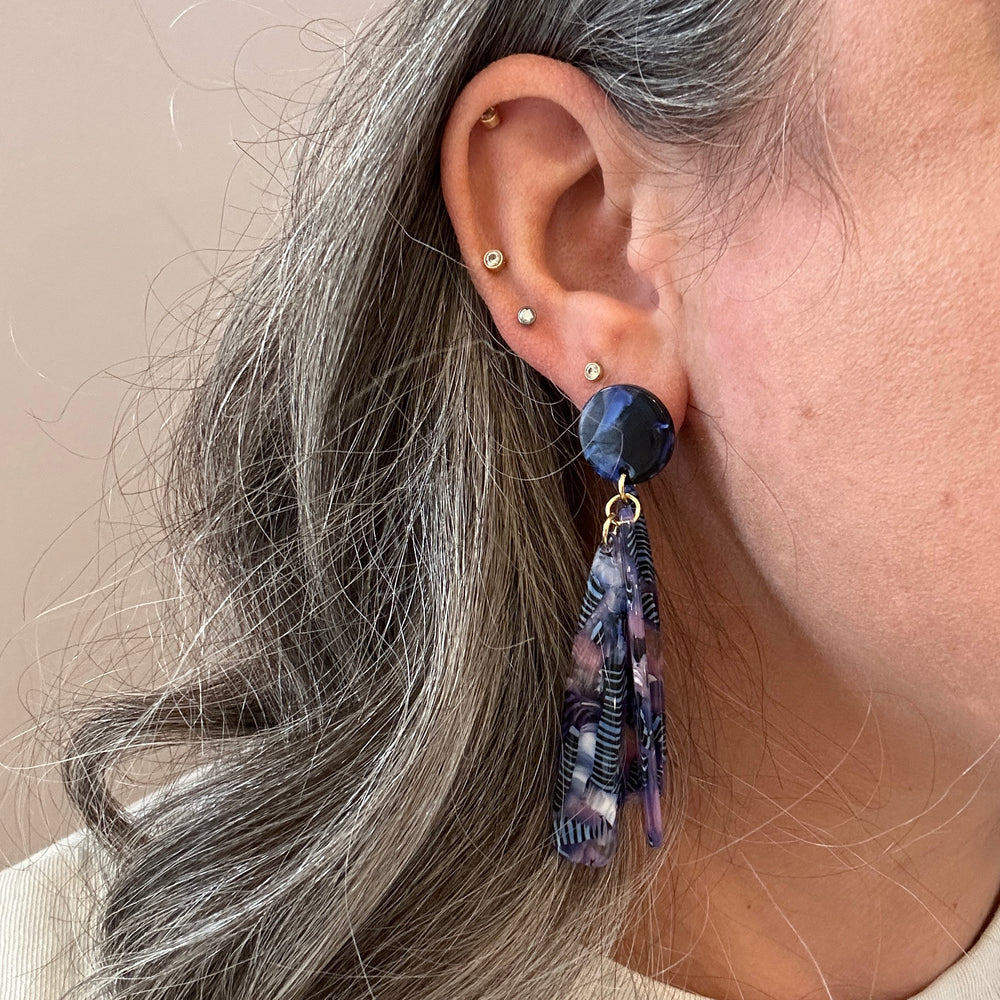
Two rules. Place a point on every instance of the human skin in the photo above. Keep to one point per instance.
(833, 366)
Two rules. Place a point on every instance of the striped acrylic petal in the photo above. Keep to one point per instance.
(646, 722)
(589, 775)
(651, 622)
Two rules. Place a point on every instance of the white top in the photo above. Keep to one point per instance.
(48, 900)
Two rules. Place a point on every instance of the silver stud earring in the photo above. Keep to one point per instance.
(593, 371)
(526, 316)
(493, 260)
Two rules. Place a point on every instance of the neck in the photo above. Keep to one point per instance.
(838, 838)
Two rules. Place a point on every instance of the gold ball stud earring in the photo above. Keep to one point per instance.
(493, 260)
(490, 118)
(526, 316)
(593, 371)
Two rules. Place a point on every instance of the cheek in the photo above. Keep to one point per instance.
(851, 430)
(851, 388)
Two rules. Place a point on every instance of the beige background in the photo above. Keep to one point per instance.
(119, 179)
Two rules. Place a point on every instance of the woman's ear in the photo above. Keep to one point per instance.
(568, 194)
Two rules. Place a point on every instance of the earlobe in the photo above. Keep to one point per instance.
(550, 178)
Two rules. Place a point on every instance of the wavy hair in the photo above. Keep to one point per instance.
(375, 514)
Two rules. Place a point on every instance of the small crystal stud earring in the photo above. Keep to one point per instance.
(493, 260)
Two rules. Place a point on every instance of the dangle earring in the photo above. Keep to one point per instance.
(612, 723)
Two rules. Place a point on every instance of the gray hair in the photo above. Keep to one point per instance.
(376, 512)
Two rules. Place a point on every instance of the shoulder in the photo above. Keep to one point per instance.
(47, 907)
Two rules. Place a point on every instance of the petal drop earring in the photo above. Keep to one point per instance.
(612, 723)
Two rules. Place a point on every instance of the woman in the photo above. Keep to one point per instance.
(778, 218)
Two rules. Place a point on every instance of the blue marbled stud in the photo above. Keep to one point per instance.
(625, 428)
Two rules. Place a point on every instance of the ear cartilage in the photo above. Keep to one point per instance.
(493, 260)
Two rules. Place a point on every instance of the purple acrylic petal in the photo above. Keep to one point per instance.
(641, 703)
(588, 790)
(651, 620)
